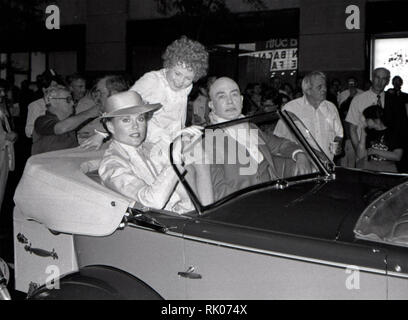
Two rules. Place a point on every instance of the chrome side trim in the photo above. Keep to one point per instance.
(169, 232)
(397, 274)
(286, 256)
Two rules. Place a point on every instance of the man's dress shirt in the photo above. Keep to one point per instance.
(323, 123)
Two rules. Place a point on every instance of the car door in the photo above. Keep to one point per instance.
(143, 249)
(235, 263)
(397, 273)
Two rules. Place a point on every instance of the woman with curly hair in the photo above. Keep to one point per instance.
(185, 61)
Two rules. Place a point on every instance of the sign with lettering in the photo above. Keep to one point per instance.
(279, 43)
(284, 59)
(282, 52)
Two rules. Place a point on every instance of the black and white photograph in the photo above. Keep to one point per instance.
(205, 154)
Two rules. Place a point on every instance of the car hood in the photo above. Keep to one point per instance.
(319, 209)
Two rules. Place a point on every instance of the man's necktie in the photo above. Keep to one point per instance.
(3, 121)
(379, 100)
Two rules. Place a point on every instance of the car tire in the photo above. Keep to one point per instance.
(96, 283)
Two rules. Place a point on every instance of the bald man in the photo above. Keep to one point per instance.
(272, 157)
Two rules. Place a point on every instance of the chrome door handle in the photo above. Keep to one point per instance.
(41, 252)
(37, 251)
(190, 274)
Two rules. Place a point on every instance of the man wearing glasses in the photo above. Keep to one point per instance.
(56, 129)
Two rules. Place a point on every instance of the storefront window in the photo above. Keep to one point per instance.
(257, 62)
(391, 53)
(28, 65)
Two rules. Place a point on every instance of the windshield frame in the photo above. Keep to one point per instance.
(327, 169)
(321, 174)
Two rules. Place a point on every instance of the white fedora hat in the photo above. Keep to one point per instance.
(127, 103)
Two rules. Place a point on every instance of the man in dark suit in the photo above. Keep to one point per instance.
(249, 157)
(395, 116)
(397, 83)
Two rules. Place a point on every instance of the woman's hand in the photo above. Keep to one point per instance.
(190, 131)
(189, 135)
(183, 140)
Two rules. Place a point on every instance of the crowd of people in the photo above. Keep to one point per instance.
(333, 113)
(354, 128)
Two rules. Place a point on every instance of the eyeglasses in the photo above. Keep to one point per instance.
(67, 99)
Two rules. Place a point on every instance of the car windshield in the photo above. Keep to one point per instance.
(247, 154)
(312, 145)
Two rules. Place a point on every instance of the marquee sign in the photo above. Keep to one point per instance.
(282, 52)
(284, 59)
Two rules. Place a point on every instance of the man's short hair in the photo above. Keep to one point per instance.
(382, 68)
(116, 83)
(53, 91)
(74, 77)
(397, 78)
(308, 79)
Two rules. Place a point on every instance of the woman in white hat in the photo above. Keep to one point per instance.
(137, 168)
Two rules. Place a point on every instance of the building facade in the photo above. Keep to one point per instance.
(119, 36)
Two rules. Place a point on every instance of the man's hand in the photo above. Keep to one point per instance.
(303, 165)
(11, 136)
(335, 147)
(354, 137)
(94, 111)
(93, 143)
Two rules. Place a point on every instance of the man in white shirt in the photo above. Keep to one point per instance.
(394, 112)
(37, 108)
(318, 115)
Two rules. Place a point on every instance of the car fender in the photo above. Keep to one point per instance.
(96, 283)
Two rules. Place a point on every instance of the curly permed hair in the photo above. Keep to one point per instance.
(189, 52)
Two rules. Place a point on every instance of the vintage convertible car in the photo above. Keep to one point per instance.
(330, 233)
